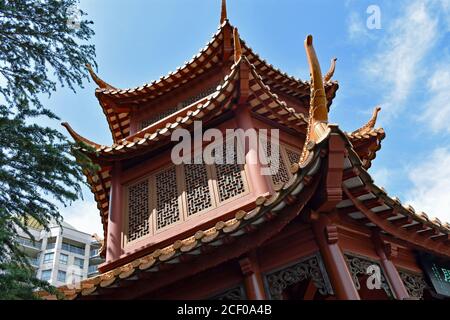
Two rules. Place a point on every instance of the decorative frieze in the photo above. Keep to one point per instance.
(414, 283)
(311, 268)
(360, 266)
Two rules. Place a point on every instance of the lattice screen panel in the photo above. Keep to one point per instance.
(278, 169)
(138, 210)
(293, 157)
(230, 180)
(167, 206)
(198, 194)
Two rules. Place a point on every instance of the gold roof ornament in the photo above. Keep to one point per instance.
(223, 13)
(237, 45)
(102, 84)
(370, 125)
(318, 111)
(330, 72)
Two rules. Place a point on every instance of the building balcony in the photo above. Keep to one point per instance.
(29, 244)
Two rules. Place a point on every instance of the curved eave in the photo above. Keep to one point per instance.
(367, 145)
(281, 81)
(274, 209)
(371, 206)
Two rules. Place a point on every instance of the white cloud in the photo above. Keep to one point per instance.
(84, 216)
(356, 27)
(381, 177)
(396, 65)
(437, 109)
(431, 188)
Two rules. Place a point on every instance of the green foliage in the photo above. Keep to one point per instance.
(43, 45)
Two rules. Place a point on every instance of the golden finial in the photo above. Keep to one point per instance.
(237, 45)
(370, 124)
(330, 72)
(223, 13)
(318, 110)
(102, 84)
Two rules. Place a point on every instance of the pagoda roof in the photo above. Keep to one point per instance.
(118, 103)
(363, 203)
(261, 100)
(375, 207)
(297, 190)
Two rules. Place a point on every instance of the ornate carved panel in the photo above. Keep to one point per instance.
(278, 168)
(198, 193)
(230, 176)
(167, 207)
(415, 284)
(138, 210)
(309, 268)
(359, 266)
(293, 157)
(237, 293)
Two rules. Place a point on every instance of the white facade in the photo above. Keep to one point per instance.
(62, 255)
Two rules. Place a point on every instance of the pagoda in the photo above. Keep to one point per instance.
(318, 228)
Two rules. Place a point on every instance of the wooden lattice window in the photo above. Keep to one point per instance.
(138, 210)
(197, 188)
(167, 206)
(230, 176)
(280, 167)
(177, 193)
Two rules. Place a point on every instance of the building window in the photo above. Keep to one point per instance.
(78, 262)
(78, 249)
(176, 193)
(61, 276)
(51, 243)
(63, 258)
(48, 257)
(46, 275)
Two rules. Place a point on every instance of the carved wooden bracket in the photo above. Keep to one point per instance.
(331, 234)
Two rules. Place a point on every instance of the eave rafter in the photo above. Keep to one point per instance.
(370, 206)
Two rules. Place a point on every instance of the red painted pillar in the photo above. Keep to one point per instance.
(258, 181)
(389, 269)
(337, 269)
(253, 282)
(115, 219)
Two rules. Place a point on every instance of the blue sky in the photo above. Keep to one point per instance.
(404, 66)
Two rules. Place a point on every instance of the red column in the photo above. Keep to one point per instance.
(258, 181)
(389, 269)
(253, 282)
(114, 241)
(341, 279)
